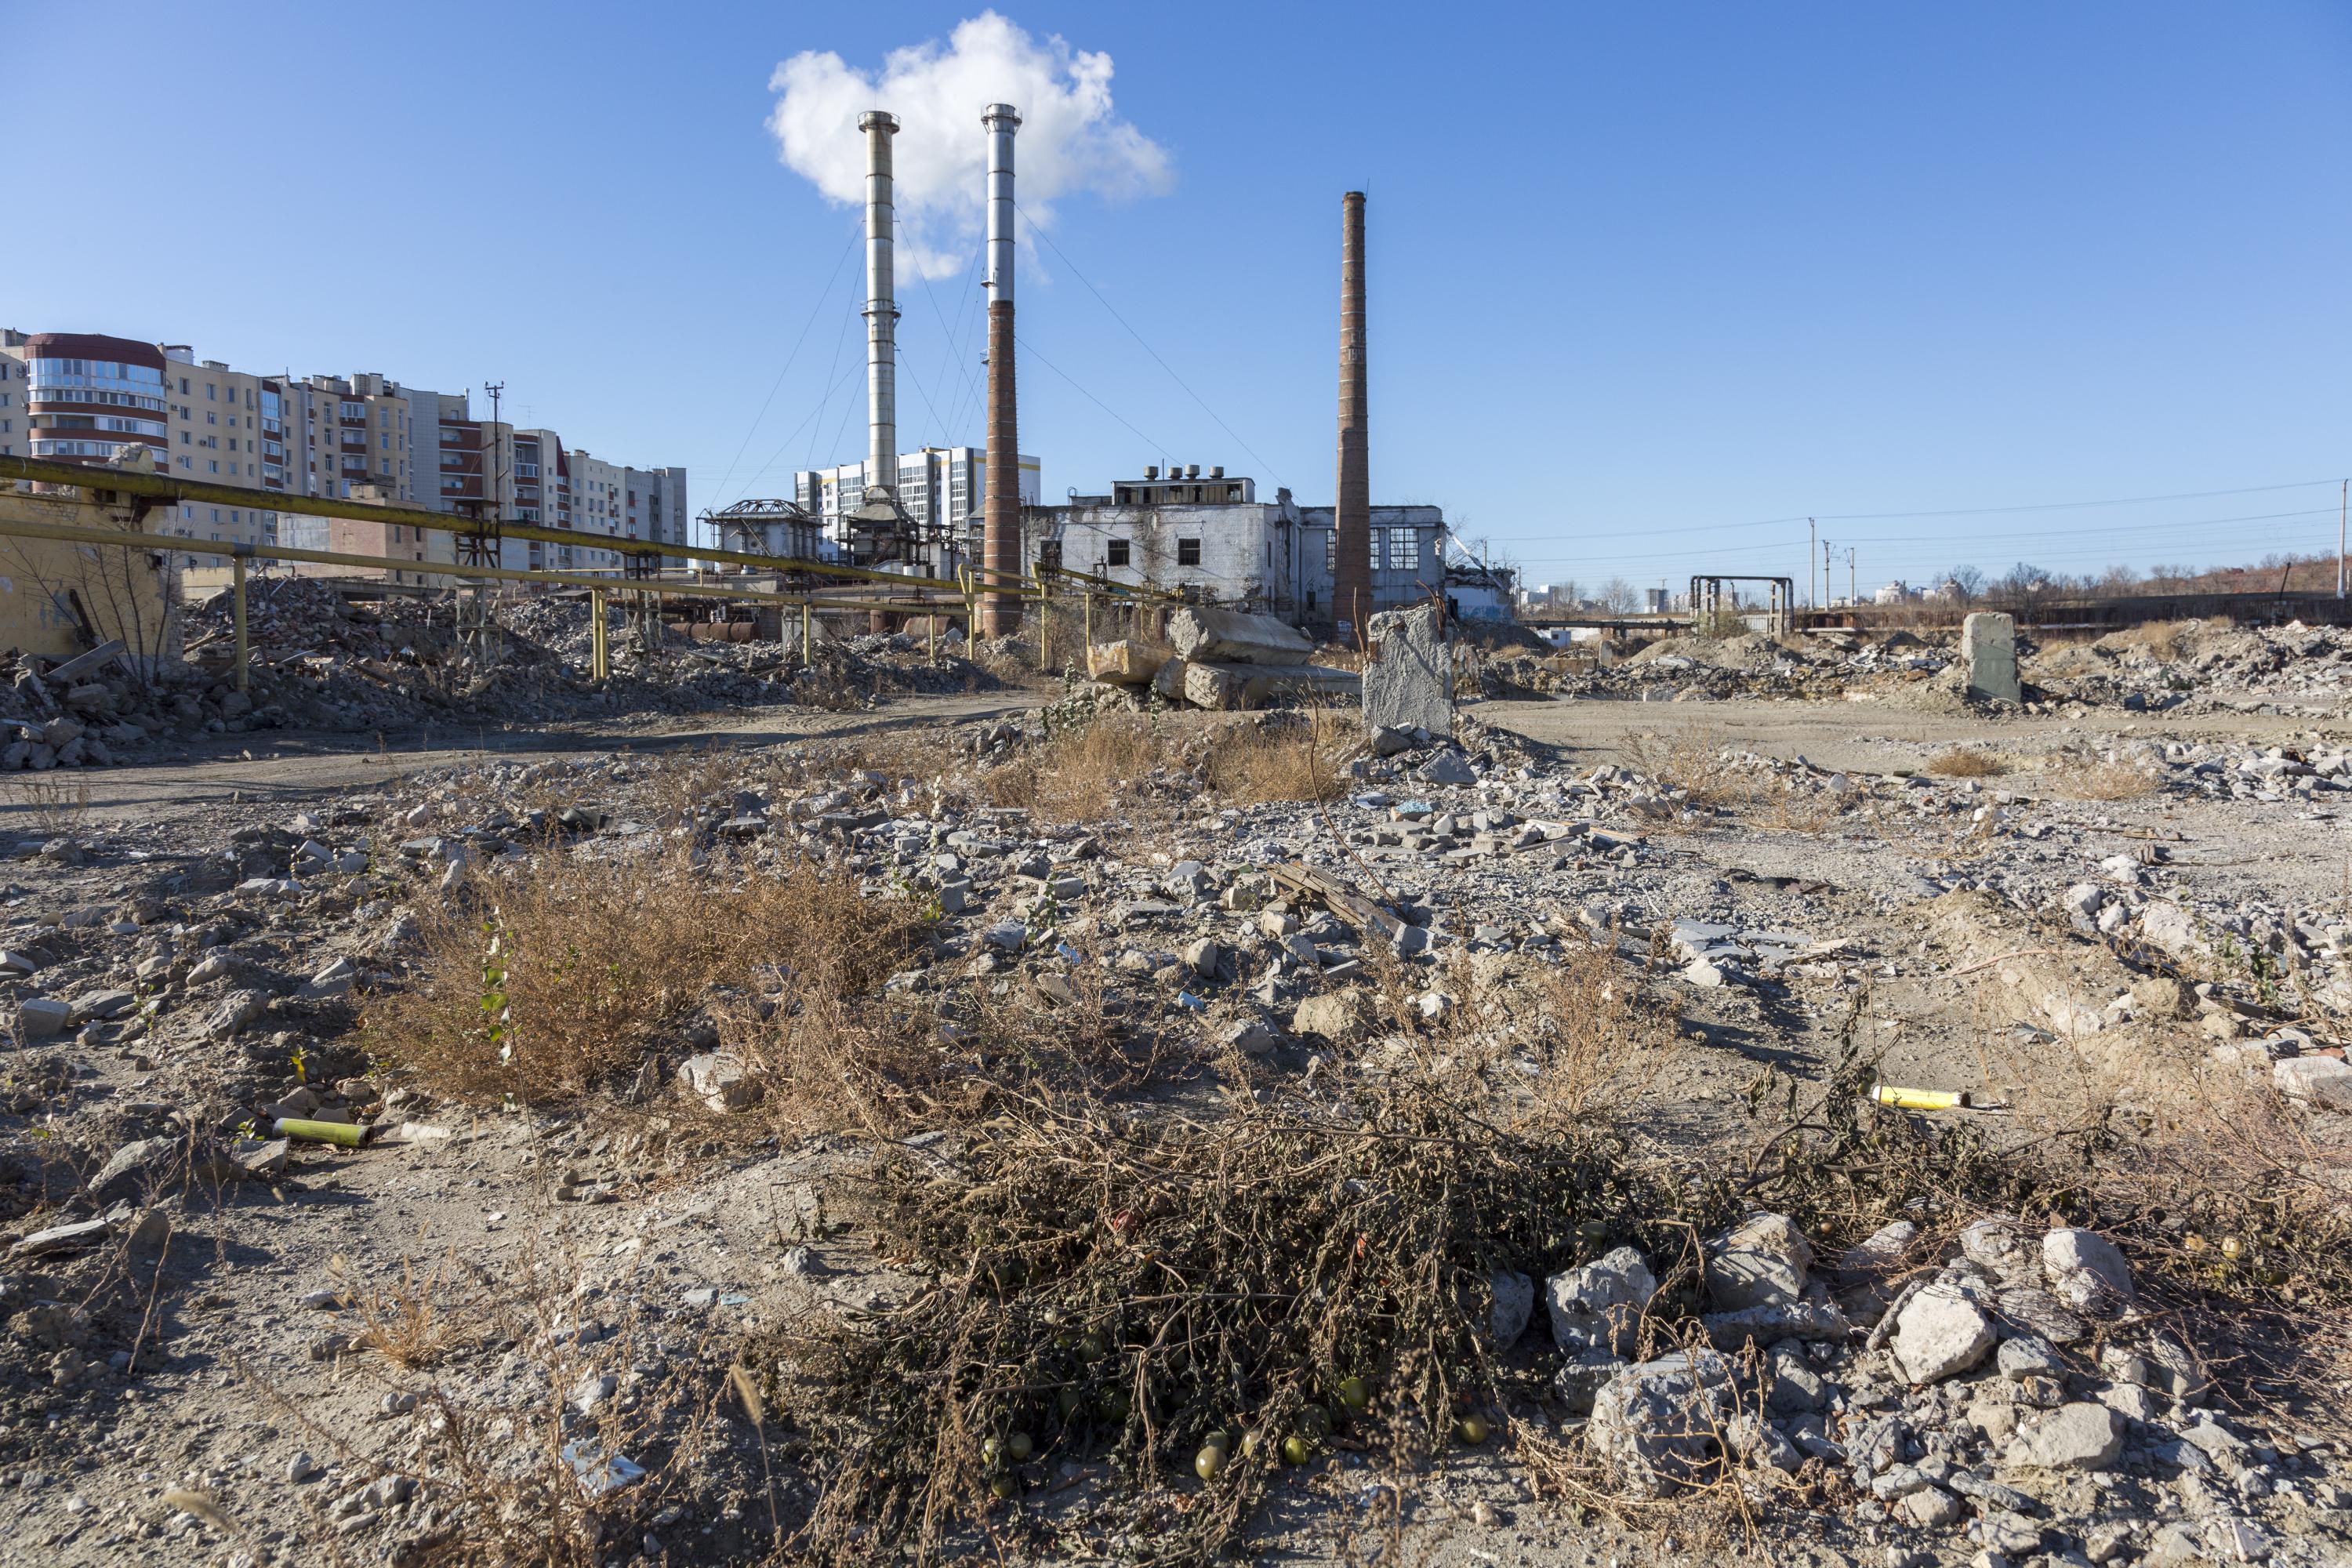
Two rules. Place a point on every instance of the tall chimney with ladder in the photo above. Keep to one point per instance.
(881, 312)
(1351, 587)
(1000, 538)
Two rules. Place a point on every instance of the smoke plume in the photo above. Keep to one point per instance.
(1070, 140)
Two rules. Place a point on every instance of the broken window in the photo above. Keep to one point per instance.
(1188, 552)
(1116, 553)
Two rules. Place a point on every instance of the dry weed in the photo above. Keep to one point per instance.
(2087, 778)
(1288, 756)
(1695, 763)
(540, 980)
(414, 1321)
(58, 804)
(1082, 772)
(1961, 762)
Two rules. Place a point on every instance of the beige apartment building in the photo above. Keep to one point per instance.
(85, 397)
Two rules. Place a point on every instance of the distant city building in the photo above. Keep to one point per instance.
(947, 485)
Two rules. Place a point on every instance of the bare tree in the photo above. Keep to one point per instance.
(1619, 596)
(1970, 581)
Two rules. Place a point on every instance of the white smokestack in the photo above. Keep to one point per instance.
(881, 312)
(1002, 123)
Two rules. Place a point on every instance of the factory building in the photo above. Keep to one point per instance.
(1183, 531)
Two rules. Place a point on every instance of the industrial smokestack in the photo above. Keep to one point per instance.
(881, 312)
(1001, 535)
(1351, 588)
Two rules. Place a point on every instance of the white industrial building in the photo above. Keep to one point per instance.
(1211, 534)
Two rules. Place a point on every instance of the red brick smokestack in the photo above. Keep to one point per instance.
(1351, 588)
(1001, 535)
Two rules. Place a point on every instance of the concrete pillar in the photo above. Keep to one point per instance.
(1409, 679)
(1989, 652)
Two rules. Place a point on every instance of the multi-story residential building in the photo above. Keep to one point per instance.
(944, 484)
(84, 397)
(12, 430)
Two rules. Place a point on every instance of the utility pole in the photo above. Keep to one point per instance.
(1852, 594)
(2343, 497)
(1828, 550)
(1811, 528)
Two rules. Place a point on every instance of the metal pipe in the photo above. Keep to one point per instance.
(1000, 518)
(1351, 587)
(881, 311)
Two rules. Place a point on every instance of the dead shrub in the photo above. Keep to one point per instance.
(1108, 1284)
(1961, 762)
(1287, 756)
(58, 804)
(540, 980)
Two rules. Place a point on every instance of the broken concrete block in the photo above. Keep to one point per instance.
(1235, 637)
(719, 1082)
(1258, 686)
(2322, 1081)
(1409, 679)
(39, 1018)
(1125, 662)
(1167, 680)
(1989, 654)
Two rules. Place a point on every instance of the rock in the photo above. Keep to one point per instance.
(1252, 1037)
(132, 1169)
(2078, 1436)
(2085, 1269)
(39, 1018)
(2028, 1308)
(1599, 1305)
(2322, 1081)
(717, 1080)
(1774, 1321)
(2165, 925)
(1930, 1507)
(1448, 767)
(1343, 1016)
(2026, 1356)
(1409, 679)
(98, 1005)
(1235, 637)
(70, 1237)
(1653, 1426)
(302, 1467)
(1204, 957)
(263, 1160)
(2156, 996)
(1882, 1253)
(1511, 1302)
(1580, 1379)
(2000, 1248)
(1762, 1262)
(236, 1011)
(1939, 1333)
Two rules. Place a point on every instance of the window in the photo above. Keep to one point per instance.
(1188, 552)
(1331, 550)
(1117, 553)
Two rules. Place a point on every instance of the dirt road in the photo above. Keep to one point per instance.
(1860, 736)
(297, 766)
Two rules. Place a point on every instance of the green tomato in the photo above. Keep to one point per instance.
(1316, 1419)
(1068, 1399)
(1354, 1394)
(1297, 1450)
(1091, 1348)
(1210, 1462)
(1019, 1447)
(991, 1451)
(1472, 1430)
(1004, 1486)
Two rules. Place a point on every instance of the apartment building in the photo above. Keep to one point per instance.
(13, 432)
(85, 397)
(946, 484)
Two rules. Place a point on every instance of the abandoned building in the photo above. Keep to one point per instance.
(1210, 533)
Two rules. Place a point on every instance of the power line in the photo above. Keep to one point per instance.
(2065, 505)
(1036, 229)
(1027, 348)
(772, 386)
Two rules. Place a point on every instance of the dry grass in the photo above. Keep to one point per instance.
(540, 982)
(1092, 769)
(2089, 778)
(58, 804)
(1961, 762)
(1693, 761)
(414, 1321)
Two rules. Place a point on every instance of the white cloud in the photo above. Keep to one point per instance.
(1070, 140)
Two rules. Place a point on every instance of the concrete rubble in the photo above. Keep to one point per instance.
(1221, 660)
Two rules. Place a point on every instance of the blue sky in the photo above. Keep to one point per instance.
(1644, 279)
